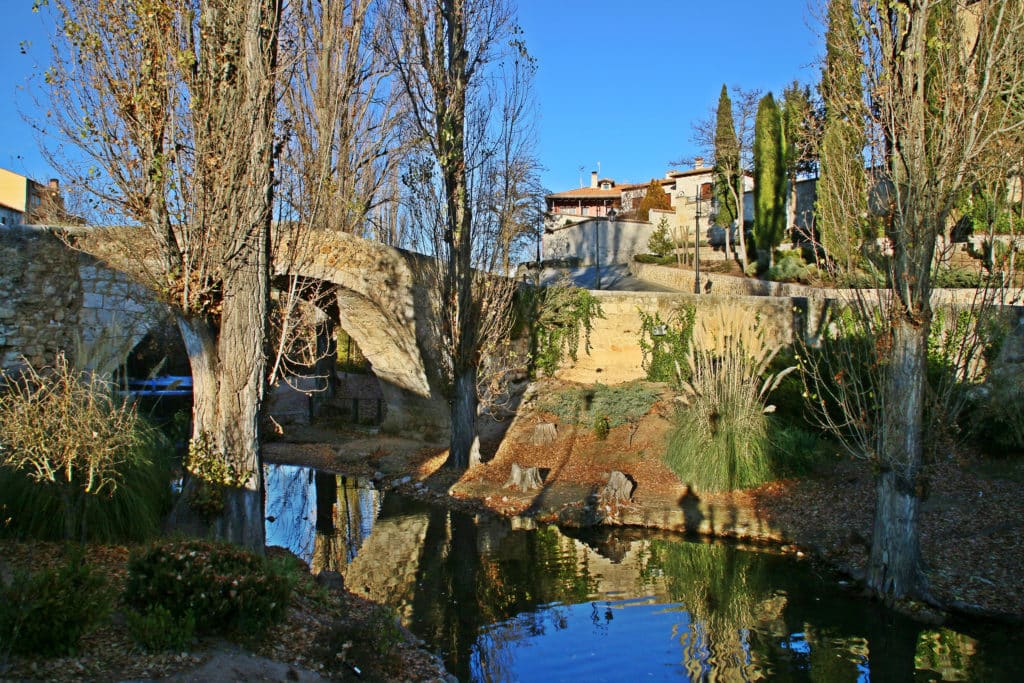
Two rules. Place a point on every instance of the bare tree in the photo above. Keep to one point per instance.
(464, 73)
(944, 80)
(172, 104)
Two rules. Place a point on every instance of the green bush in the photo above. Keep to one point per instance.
(655, 259)
(956, 278)
(224, 587)
(617, 405)
(363, 641)
(660, 242)
(791, 267)
(794, 451)
(559, 317)
(46, 613)
(156, 629)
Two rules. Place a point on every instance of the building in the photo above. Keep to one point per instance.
(24, 201)
(593, 224)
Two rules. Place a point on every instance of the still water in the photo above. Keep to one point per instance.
(502, 602)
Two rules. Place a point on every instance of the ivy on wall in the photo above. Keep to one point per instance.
(665, 344)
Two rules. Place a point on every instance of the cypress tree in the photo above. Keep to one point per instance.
(727, 162)
(841, 208)
(769, 177)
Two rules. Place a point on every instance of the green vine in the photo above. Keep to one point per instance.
(562, 315)
(665, 344)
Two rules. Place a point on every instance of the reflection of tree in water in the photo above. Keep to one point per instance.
(289, 508)
(726, 594)
(492, 597)
(346, 509)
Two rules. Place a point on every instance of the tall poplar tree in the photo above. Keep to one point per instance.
(801, 128)
(842, 204)
(171, 107)
(944, 83)
(465, 74)
(769, 178)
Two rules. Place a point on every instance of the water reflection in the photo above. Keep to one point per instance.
(507, 604)
(323, 518)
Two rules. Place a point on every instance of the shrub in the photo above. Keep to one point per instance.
(360, 642)
(791, 267)
(224, 587)
(720, 437)
(157, 629)
(794, 451)
(46, 613)
(617, 405)
(660, 242)
(77, 460)
(956, 278)
(655, 259)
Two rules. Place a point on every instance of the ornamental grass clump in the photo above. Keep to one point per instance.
(719, 441)
(76, 460)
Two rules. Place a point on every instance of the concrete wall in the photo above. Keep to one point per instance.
(598, 240)
(55, 299)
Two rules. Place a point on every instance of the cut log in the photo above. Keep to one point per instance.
(524, 478)
(619, 488)
(543, 434)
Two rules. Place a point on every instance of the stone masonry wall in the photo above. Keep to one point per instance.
(53, 298)
(40, 297)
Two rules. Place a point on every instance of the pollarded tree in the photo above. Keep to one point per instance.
(655, 198)
(769, 178)
(944, 82)
(841, 209)
(171, 106)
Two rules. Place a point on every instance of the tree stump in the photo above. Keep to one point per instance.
(543, 434)
(524, 478)
(619, 488)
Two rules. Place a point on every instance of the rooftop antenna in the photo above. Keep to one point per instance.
(599, 169)
(581, 175)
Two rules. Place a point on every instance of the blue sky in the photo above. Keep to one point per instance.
(617, 83)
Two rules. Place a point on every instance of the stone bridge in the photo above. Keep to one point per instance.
(55, 298)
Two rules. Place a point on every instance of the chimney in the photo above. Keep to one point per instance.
(54, 184)
(593, 179)
(698, 162)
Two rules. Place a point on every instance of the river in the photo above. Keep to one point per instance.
(504, 600)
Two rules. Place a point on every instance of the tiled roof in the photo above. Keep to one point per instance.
(587, 193)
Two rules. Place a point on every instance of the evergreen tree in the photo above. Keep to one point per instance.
(769, 177)
(842, 204)
(727, 163)
(656, 198)
(800, 128)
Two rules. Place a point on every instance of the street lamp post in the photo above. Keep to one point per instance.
(697, 213)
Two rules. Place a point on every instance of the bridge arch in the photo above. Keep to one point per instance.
(384, 306)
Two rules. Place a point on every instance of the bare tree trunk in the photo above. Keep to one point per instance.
(894, 565)
(464, 446)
